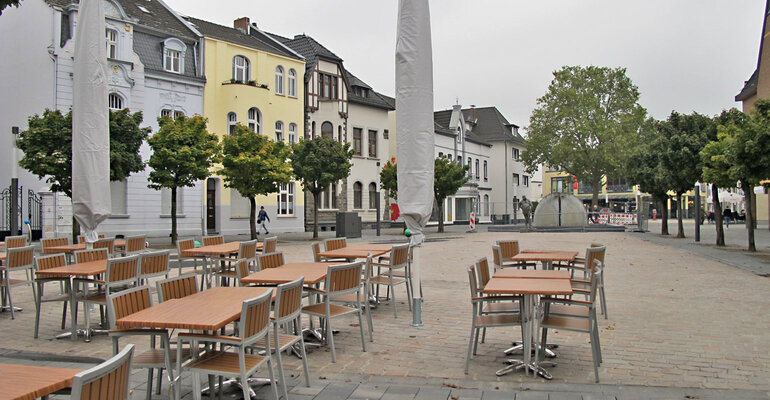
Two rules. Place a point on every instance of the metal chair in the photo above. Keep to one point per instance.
(508, 249)
(269, 245)
(82, 256)
(153, 264)
(46, 243)
(246, 251)
(213, 240)
(12, 242)
(253, 328)
(366, 283)
(108, 244)
(82, 238)
(316, 247)
(43, 263)
(483, 321)
(334, 243)
(398, 261)
(184, 253)
(270, 260)
(580, 286)
(108, 380)
(135, 244)
(176, 288)
(340, 280)
(17, 259)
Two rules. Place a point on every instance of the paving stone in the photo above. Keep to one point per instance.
(432, 393)
(336, 390)
(368, 391)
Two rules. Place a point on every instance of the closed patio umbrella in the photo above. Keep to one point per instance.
(414, 128)
(90, 120)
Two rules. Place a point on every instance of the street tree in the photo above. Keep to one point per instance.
(448, 177)
(183, 152)
(318, 163)
(747, 150)
(389, 180)
(254, 165)
(682, 137)
(47, 148)
(585, 124)
(8, 3)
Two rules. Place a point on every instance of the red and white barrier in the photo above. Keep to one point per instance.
(617, 218)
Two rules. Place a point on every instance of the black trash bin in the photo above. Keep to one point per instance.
(348, 225)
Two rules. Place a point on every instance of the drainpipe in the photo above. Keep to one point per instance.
(505, 156)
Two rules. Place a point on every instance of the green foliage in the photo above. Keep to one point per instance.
(644, 167)
(47, 147)
(448, 177)
(254, 165)
(389, 180)
(7, 3)
(716, 165)
(319, 162)
(183, 151)
(585, 124)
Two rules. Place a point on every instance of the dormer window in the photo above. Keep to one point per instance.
(112, 43)
(360, 91)
(241, 69)
(173, 55)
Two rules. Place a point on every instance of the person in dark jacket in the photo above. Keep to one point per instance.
(726, 215)
(261, 218)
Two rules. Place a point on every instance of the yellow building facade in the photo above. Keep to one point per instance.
(255, 81)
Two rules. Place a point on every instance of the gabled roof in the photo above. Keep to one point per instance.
(491, 125)
(159, 17)
(372, 99)
(749, 87)
(255, 40)
(307, 47)
(443, 118)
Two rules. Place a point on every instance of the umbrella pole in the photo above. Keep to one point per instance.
(416, 294)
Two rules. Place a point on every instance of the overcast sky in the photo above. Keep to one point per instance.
(684, 55)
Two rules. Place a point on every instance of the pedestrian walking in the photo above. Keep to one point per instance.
(261, 218)
(727, 214)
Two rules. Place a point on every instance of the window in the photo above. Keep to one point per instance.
(485, 170)
(327, 130)
(329, 197)
(165, 201)
(171, 61)
(357, 132)
(292, 133)
(241, 71)
(526, 180)
(286, 199)
(357, 201)
(372, 196)
(516, 179)
(312, 129)
(470, 167)
(255, 119)
(173, 114)
(292, 83)
(112, 43)
(486, 205)
(440, 155)
(178, 113)
(327, 86)
(385, 134)
(449, 157)
(515, 153)
(372, 143)
(279, 80)
(279, 131)
(231, 120)
(477, 168)
(118, 197)
(114, 101)
(339, 133)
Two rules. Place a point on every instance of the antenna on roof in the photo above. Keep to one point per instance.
(457, 101)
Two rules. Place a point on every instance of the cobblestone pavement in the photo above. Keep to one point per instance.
(676, 320)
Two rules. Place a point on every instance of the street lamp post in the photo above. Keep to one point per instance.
(14, 218)
(697, 211)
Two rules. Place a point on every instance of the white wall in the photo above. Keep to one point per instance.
(365, 167)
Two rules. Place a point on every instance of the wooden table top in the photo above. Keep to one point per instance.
(208, 310)
(369, 246)
(71, 248)
(351, 253)
(80, 269)
(528, 286)
(23, 382)
(544, 256)
(532, 274)
(219, 249)
(313, 273)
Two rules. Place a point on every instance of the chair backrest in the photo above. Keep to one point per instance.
(122, 271)
(183, 245)
(335, 243)
(82, 238)
(153, 264)
(212, 240)
(482, 267)
(269, 260)
(255, 318)
(399, 256)
(594, 253)
(12, 242)
(62, 241)
(343, 279)
(508, 248)
(242, 269)
(316, 246)
(596, 271)
(270, 245)
(497, 257)
(50, 261)
(288, 301)
(108, 380)
(127, 302)
(248, 250)
(135, 244)
(473, 283)
(176, 288)
(82, 256)
(108, 244)
(20, 257)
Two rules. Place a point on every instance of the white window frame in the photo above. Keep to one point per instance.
(485, 171)
(286, 200)
(254, 120)
(292, 133)
(372, 199)
(358, 203)
(232, 119)
(174, 50)
(291, 86)
(279, 80)
(328, 200)
(115, 101)
(278, 131)
(111, 36)
(241, 69)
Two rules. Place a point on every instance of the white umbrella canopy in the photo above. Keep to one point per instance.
(90, 121)
(414, 127)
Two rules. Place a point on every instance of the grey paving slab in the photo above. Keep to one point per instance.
(369, 391)
(530, 395)
(336, 391)
(399, 392)
(498, 395)
(565, 396)
(432, 393)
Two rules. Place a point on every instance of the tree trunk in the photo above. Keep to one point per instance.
(316, 203)
(440, 216)
(749, 213)
(173, 215)
(717, 215)
(595, 194)
(664, 216)
(253, 218)
(680, 224)
(75, 230)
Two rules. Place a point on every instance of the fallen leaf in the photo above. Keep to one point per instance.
(321, 377)
(453, 386)
(610, 328)
(691, 396)
(454, 397)
(412, 336)
(354, 325)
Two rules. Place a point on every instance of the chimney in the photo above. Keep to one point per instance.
(473, 113)
(242, 24)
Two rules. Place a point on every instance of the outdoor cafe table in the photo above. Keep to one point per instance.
(532, 274)
(313, 272)
(28, 382)
(85, 269)
(209, 310)
(71, 248)
(530, 289)
(352, 253)
(211, 252)
(546, 257)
